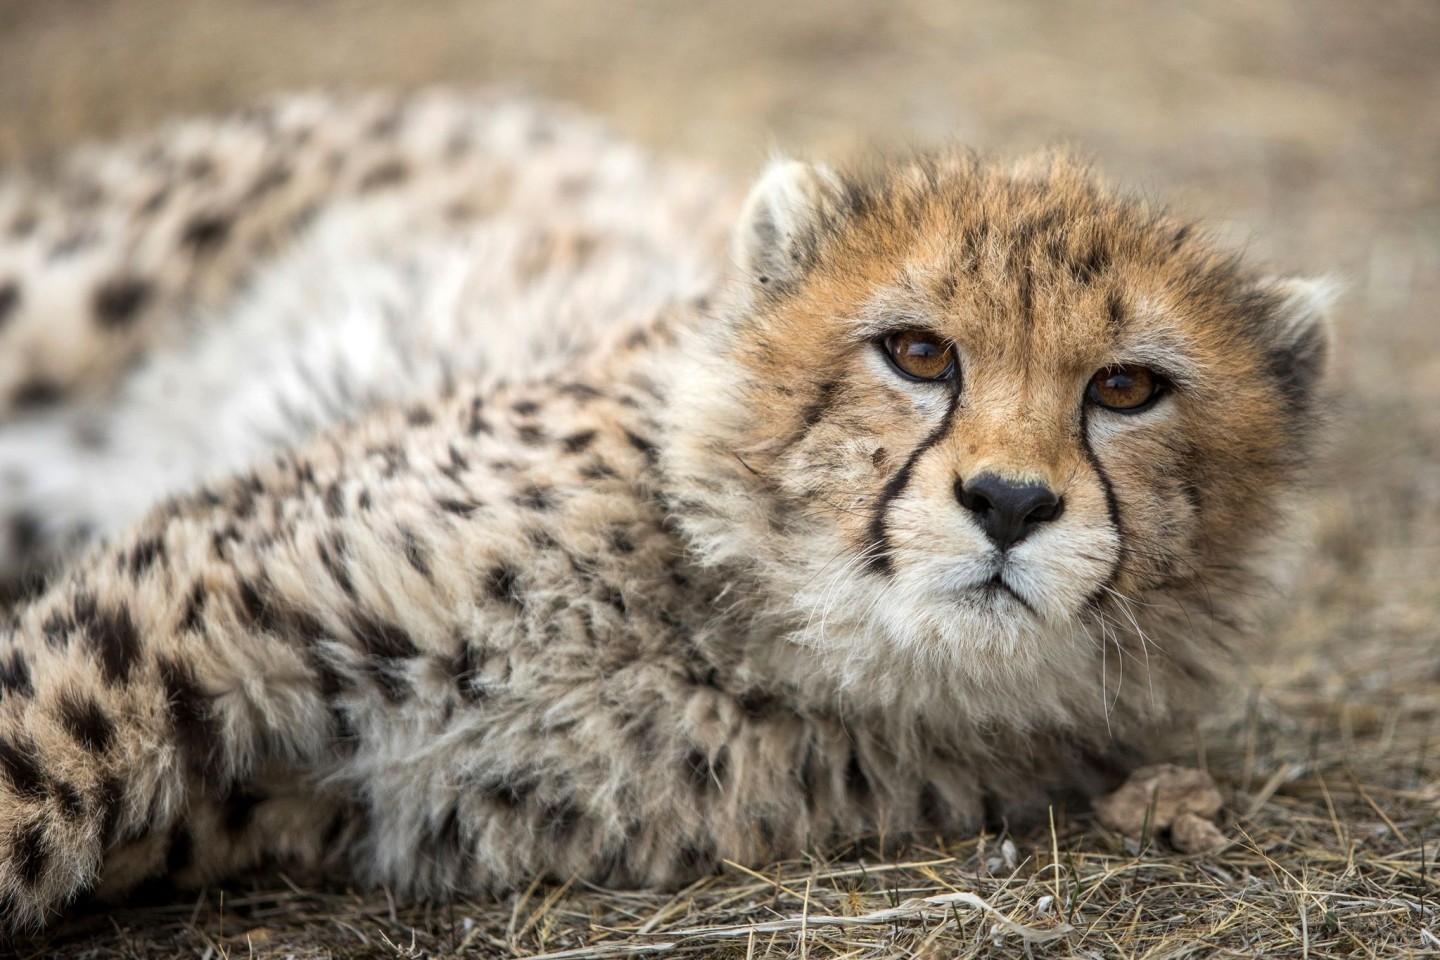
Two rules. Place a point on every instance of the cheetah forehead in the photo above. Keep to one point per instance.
(1033, 261)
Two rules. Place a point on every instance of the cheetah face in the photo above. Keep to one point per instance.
(1002, 416)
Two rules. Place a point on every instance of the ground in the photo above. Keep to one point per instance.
(1307, 130)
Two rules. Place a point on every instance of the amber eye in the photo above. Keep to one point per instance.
(920, 355)
(1124, 388)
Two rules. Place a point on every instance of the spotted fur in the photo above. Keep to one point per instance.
(705, 592)
(179, 307)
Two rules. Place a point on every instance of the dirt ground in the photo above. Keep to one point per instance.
(1307, 129)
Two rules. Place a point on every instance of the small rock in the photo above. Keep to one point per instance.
(1179, 799)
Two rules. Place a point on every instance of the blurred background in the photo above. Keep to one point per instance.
(1306, 130)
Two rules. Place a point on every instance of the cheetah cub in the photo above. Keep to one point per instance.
(936, 516)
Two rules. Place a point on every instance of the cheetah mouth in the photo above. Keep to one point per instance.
(997, 587)
(996, 595)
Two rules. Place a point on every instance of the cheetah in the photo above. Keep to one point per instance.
(937, 505)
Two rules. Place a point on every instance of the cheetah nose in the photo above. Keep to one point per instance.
(1008, 512)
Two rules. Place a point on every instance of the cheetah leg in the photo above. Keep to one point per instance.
(157, 720)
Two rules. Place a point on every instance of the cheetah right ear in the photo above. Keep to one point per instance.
(787, 213)
(1299, 332)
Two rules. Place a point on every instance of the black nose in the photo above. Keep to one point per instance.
(1007, 511)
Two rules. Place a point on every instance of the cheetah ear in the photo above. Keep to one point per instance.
(1299, 327)
(787, 213)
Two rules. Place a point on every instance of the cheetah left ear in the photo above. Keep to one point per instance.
(1299, 331)
(786, 215)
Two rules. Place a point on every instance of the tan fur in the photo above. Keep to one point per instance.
(709, 594)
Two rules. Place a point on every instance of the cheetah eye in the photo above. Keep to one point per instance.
(918, 355)
(1125, 388)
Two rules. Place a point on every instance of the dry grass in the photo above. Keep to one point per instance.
(1312, 123)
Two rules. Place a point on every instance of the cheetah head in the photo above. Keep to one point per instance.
(995, 426)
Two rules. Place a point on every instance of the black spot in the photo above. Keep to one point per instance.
(239, 809)
(617, 600)
(533, 497)
(815, 411)
(504, 585)
(37, 394)
(445, 838)
(255, 606)
(29, 854)
(9, 300)
(21, 227)
(199, 168)
(531, 436)
(643, 445)
(332, 558)
(145, 553)
(1115, 309)
(19, 766)
(765, 827)
(620, 541)
(72, 801)
(15, 676)
(190, 713)
(86, 721)
(206, 232)
(1091, 263)
(577, 442)
(386, 125)
(112, 637)
(580, 390)
(334, 501)
(56, 629)
(525, 407)
(154, 202)
(392, 457)
(112, 795)
(386, 174)
(415, 553)
(463, 508)
(419, 417)
(465, 667)
(379, 638)
(191, 618)
(118, 302)
(598, 471)
(272, 178)
(759, 705)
